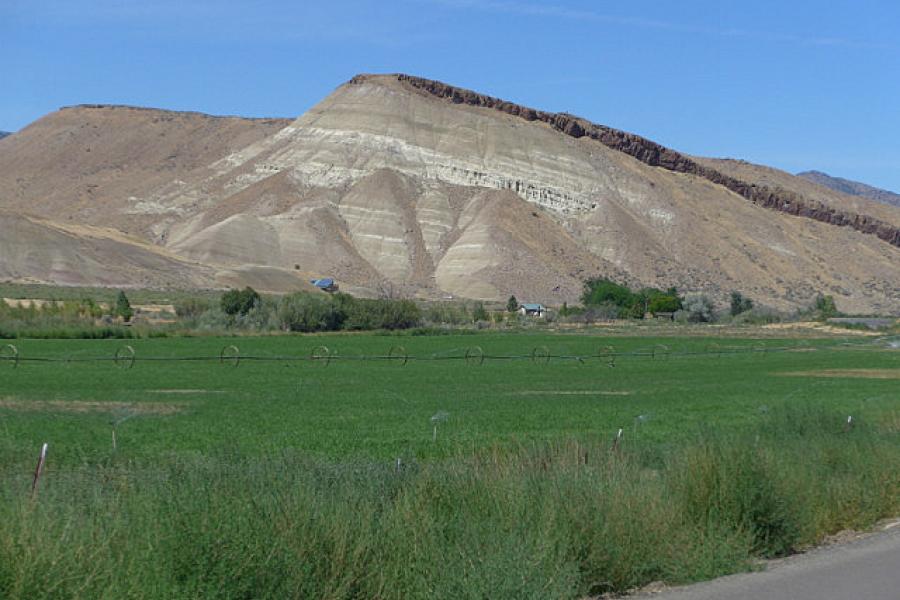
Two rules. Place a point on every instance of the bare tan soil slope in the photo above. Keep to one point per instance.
(436, 191)
(40, 251)
(93, 163)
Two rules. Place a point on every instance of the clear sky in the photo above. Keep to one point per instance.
(793, 84)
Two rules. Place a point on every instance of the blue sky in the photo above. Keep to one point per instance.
(797, 85)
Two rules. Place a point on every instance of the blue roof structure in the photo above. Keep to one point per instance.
(533, 306)
(322, 283)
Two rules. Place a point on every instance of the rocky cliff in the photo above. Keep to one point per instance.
(656, 155)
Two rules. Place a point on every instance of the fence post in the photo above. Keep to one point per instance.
(616, 440)
(39, 469)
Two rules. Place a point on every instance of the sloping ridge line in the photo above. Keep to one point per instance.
(656, 155)
(175, 113)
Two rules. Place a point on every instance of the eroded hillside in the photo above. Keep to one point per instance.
(439, 191)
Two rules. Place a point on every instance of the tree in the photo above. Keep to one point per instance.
(123, 307)
(601, 290)
(664, 303)
(512, 305)
(479, 313)
(826, 306)
(739, 303)
(235, 302)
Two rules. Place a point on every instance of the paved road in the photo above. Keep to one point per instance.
(865, 569)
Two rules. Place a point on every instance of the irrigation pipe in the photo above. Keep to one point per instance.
(126, 357)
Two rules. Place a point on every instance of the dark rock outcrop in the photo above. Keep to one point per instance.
(656, 155)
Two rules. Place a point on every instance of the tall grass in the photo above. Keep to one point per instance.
(559, 520)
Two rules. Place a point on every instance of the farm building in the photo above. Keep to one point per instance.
(326, 284)
(532, 310)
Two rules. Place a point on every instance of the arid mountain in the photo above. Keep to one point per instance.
(440, 191)
(86, 163)
(852, 188)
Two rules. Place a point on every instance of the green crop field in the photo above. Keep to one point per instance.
(278, 476)
(659, 391)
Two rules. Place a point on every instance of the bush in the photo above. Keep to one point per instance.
(740, 304)
(758, 316)
(447, 313)
(826, 307)
(308, 313)
(214, 319)
(479, 313)
(263, 316)
(605, 311)
(699, 308)
(512, 305)
(366, 314)
(191, 308)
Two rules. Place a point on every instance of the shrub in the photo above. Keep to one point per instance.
(214, 319)
(262, 316)
(699, 308)
(605, 311)
(400, 314)
(191, 308)
(367, 314)
(446, 313)
(479, 313)
(758, 316)
(825, 306)
(308, 313)
(740, 304)
(512, 305)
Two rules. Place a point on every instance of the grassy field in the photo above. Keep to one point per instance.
(383, 409)
(279, 478)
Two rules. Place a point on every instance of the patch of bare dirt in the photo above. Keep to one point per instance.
(88, 406)
(816, 326)
(571, 393)
(185, 391)
(848, 373)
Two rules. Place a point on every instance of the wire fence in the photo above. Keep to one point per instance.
(126, 357)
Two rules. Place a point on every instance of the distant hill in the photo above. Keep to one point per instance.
(853, 188)
(3, 134)
(431, 190)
